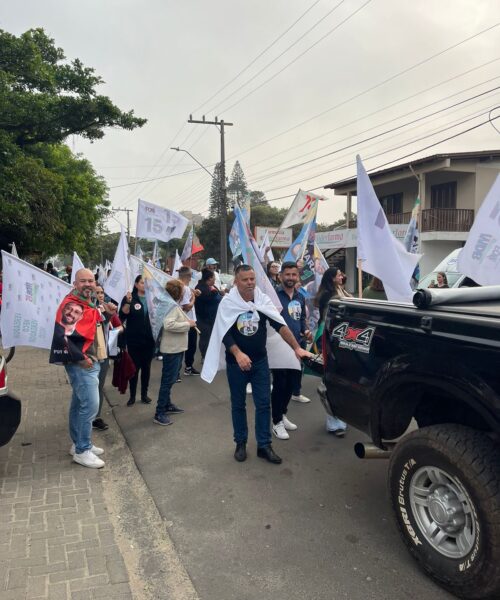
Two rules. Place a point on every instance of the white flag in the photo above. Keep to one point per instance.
(13, 250)
(177, 265)
(188, 246)
(479, 259)
(266, 244)
(382, 255)
(137, 268)
(77, 265)
(120, 279)
(159, 301)
(303, 209)
(158, 223)
(30, 301)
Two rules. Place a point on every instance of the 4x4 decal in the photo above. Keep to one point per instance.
(354, 338)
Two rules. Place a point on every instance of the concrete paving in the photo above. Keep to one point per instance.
(319, 526)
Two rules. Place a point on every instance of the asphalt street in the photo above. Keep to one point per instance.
(318, 527)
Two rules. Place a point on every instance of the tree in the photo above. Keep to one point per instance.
(237, 188)
(215, 192)
(257, 198)
(52, 201)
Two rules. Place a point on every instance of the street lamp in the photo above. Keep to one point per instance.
(195, 159)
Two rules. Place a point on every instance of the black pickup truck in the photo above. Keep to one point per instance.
(424, 383)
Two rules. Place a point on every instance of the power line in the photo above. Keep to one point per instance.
(251, 63)
(371, 88)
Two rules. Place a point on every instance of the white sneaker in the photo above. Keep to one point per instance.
(95, 450)
(280, 432)
(301, 398)
(288, 424)
(249, 388)
(88, 459)
(335, 426)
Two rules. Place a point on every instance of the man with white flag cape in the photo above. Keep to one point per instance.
(380, 253)
(247, 325)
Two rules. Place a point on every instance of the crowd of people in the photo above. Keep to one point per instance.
(226, 326)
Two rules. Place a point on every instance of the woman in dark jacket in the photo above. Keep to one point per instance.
(206, 305)
(139, 338)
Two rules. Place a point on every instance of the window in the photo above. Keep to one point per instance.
(444, 195)
(392, 204)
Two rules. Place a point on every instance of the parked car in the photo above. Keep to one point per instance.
(423, 383)
(448, 266)
(10, 405)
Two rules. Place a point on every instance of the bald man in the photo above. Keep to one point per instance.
(78, 344)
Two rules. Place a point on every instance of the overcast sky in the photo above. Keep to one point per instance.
(166, 59)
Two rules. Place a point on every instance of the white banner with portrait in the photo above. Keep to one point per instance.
(30, 299)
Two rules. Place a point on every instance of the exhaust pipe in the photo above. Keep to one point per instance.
(370, 451)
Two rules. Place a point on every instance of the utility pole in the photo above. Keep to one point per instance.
(223, 192)
(128, 211)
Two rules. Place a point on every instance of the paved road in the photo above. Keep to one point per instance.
(316, 527)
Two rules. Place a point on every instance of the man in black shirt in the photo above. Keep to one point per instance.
(246, 358)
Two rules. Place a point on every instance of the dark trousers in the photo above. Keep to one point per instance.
(191, 350)
(142, 355)
(205, 328)
(169, 372)
(284, 382)
(102, 380)
(259, 377)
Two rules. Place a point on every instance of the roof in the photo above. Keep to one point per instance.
(482, 154)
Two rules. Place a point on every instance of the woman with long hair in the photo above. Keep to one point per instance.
(331, 286)
(139, 338)
(273, 273)
(206, 304)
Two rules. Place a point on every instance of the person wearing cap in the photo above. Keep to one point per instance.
(212, 264)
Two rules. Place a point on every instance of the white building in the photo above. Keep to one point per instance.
(451, 188)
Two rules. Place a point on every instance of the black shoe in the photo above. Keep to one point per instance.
(269, 454)
(240, 454)
(146, 400)
(131, 401)
(191, 371)
(172, 409)
(99, 424)
(179, 380)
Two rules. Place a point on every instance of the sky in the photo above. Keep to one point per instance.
(298, 79)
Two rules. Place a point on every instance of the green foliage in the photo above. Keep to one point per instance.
(215, 192)
(237, 188)
(52, 201)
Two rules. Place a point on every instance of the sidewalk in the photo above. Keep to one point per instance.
(69, 532)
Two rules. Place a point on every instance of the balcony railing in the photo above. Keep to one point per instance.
(438, 219)
(447, 219)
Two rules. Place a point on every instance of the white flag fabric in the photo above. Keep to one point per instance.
(137, 268)
(382, 255)
(177, 265)
(13, 250)
(186, 252)
(303, 209)
(159, 301)
(113, 342)
(30, 300)
(77, 265)
(120, 279)
(479, 259)
(158, 223)
(266, 243)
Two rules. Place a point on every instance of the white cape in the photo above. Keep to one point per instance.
(280, 355)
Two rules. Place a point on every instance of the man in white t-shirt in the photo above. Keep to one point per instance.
(187, 305)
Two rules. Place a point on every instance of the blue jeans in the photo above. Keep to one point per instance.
(169, 373)
(84, 404)
(259, 377)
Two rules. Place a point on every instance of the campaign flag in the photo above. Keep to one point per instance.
(234, 239)
(382, 255)
(250, 257)
(299, 246)
(138, 252)
(120, 279)
(77, 265)
(158, 300)
(192, 246)
(412, 237)
(13, 250)
(137, 268)
(266, 243)
(177, 264)
(158, 223)
(101, 279)
(303, 209)
(156, 255)
(30, 301)
(479, 259)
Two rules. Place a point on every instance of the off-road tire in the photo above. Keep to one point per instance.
(472, 460)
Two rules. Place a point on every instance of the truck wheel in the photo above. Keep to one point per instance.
(444, 483)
